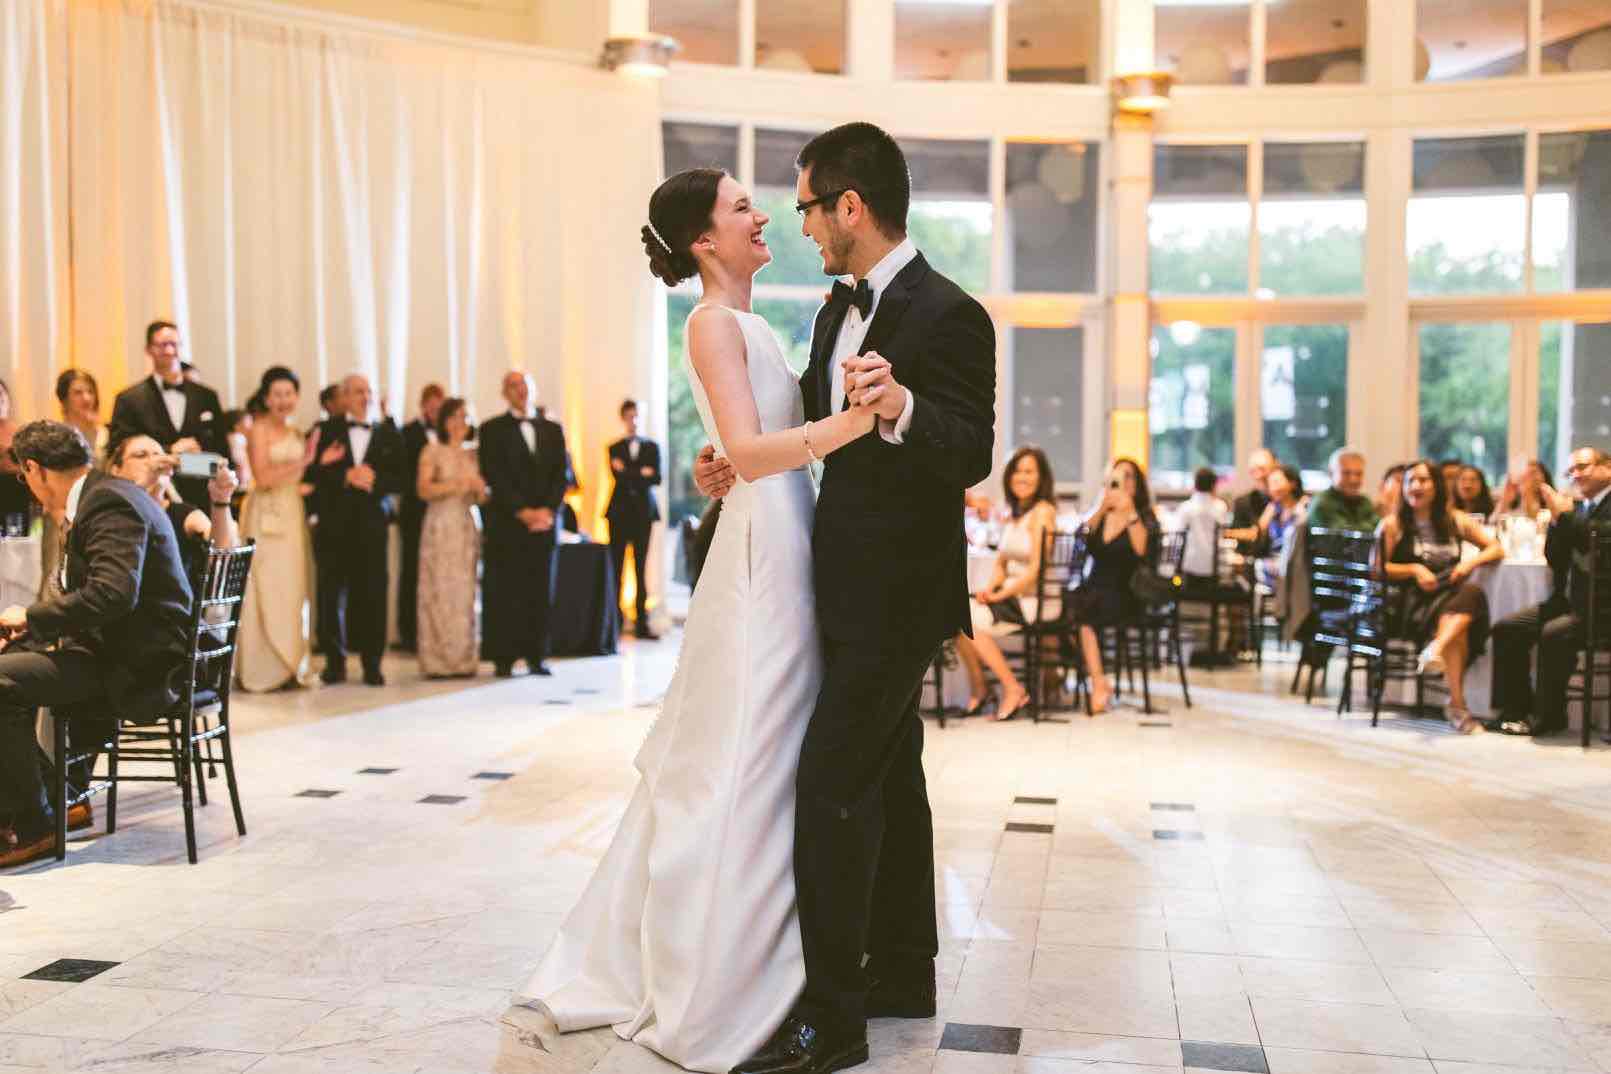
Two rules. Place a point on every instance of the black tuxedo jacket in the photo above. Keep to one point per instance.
(342, 508)
(517, 478)
(127, 598)
(1568, 551)
(633, 503)
(888, 545)
(414, 441)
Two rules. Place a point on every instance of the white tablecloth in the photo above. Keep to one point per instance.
(20, 569)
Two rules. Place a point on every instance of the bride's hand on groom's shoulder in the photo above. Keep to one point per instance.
(713, 477)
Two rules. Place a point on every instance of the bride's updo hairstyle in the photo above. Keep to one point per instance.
(679, 212)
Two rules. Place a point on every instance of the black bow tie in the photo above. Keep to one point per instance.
(860, 296)
(180, 387)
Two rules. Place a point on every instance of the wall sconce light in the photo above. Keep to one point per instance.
(1142, 93)
(644, 55)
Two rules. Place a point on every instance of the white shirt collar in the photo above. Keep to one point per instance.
(156, 378)
(881, 274)
(528, 414)
(73, 496)
(1594, 504)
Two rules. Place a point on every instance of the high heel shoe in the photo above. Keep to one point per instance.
(976, 705)
(1464, 723)
(1430, 662)
(1003, 715)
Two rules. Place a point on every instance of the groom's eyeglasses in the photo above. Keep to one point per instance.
(803, 207)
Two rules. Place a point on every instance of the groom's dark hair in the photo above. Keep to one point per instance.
(863, 158)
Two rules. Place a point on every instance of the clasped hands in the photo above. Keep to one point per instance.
(869, 384)
(536, 519)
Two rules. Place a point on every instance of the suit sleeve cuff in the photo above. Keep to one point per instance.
(895, 431)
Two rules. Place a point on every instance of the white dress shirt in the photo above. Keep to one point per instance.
(632, 449)
(853, 332)
(1199, 517)
(358, 436)
(174, 401)
(74, 494)
(528, 428)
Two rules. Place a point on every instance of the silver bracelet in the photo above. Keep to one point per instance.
(805, 434)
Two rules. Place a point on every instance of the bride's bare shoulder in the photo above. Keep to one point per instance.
(714, 335)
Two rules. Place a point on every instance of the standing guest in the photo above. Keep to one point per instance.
(1010, 600)
(80, 399)
(113, 633)
(1121, 537)
(358, 469)
(1436, 605)
(416, 435)
(1471, 493)
(15, 503)
(1344, 506)
(1201, 518)
(181, 415)
(331, 403)
(274, 619)
(1248, 508)
(1522, 494)
(523, 458)
(633, 511)
(141, 461)
(1391, 488)
(1555, 626)
(448, 480)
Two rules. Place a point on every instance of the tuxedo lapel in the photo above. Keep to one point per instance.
(829, 320)
(892, 306)
(159, 411)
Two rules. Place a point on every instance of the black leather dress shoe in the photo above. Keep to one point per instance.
(373, 677)
(503, 669)
(539, 668)
(333, 674)
(801, 1047)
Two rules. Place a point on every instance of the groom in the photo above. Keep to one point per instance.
(890, 575)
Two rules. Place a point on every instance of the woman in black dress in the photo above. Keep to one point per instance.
(1121, 535)
(1434, 603)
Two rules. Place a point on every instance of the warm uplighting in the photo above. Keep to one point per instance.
(1129, 437)
(1142, 93)
(644, 55)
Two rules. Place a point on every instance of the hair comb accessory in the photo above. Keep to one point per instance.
(657, 238)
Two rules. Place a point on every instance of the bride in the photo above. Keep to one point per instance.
(686, 940)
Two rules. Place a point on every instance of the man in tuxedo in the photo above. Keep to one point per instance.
(357, 475)
(523, 460)
(632, 512)
(416, 434)
(1555, 627)
(890, 579)
(110, 632)
(175, 411)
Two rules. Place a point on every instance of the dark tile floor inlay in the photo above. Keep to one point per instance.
(441, 799)
(1171, 833)
(557, 701)
(1154, 723)
(1175, 807)
(1022, 800)
(1205, 1055)
(1020, 826)
(70, 970)
(493, 775)
(376, 771)
(999, 1040)
(314, 792)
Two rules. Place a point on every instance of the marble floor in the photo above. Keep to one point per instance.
(1250, 885)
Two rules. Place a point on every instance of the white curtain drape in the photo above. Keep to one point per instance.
(328, 196)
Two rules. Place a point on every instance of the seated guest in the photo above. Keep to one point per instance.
(113, 633)
(1201, 518)
(1391, 488)
(80, 399)
(1248, 508)
(448, 480)
(1010, 600)
(1121, 537)
(1282, 515)
(141, 461)
(1344, 506)
(1522, 494)
(1450, 469)
(1436, 605)
(1556, 626)
(1471, 493)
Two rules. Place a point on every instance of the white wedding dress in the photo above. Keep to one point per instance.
(686, 938)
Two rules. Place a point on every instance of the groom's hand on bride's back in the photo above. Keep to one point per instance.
(713, 477)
